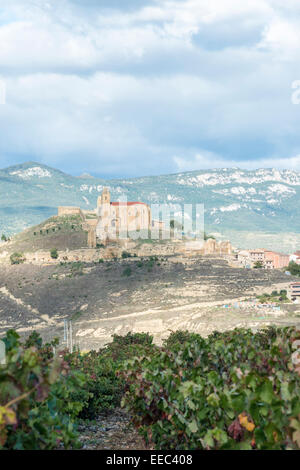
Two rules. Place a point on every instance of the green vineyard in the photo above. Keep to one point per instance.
(232, 390)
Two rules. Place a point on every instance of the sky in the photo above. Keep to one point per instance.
(146, 87)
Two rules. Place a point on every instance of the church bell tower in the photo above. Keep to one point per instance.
(103, 203)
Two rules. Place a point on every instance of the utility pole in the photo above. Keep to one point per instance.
(68, 335)
(71, 337)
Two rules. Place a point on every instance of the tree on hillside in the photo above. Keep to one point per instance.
(54, 253)
(206, 236)
(294, 268)
(17, 258)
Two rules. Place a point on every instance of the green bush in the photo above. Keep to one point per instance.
(127, 271)
(233, 390)
(103, 388)
(54, 253)
(258, 265)
(207, 237)
(273, 297)
(36, 411)
(17, 258)
(294, 268)
(121, 342)
(178, 338)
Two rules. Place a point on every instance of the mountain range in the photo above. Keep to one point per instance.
(249, 207)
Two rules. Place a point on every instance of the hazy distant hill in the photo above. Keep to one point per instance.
(265, 200)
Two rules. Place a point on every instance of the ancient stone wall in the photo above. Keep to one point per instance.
(115, 250)
(64, 210)
(83, 255)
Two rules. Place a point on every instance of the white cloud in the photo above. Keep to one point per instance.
(126, 89)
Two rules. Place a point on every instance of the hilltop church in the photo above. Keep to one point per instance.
(113, 220)
(117, 219)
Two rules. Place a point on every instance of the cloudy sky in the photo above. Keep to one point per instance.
(139, 87)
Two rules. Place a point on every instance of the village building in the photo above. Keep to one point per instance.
(278, 260)
(295, 291)
(243, 258)
(257, 255)
(268, 259)
(295, 257)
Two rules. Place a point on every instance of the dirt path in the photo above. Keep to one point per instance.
(112, 431)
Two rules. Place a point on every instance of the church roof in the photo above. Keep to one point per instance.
(127, 203)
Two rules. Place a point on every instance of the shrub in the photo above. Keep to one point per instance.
(17, 258)
(127, 271)
(151, 263)
(294, 268)
(125, 254)
(258, 265)
(119, 342)
(207, 237)
(54, 253)
(233, 390)
(178, 338)
(36, 411)
(77, 268)
(103, 389)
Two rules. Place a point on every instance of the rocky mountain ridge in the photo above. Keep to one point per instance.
(235, 200)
